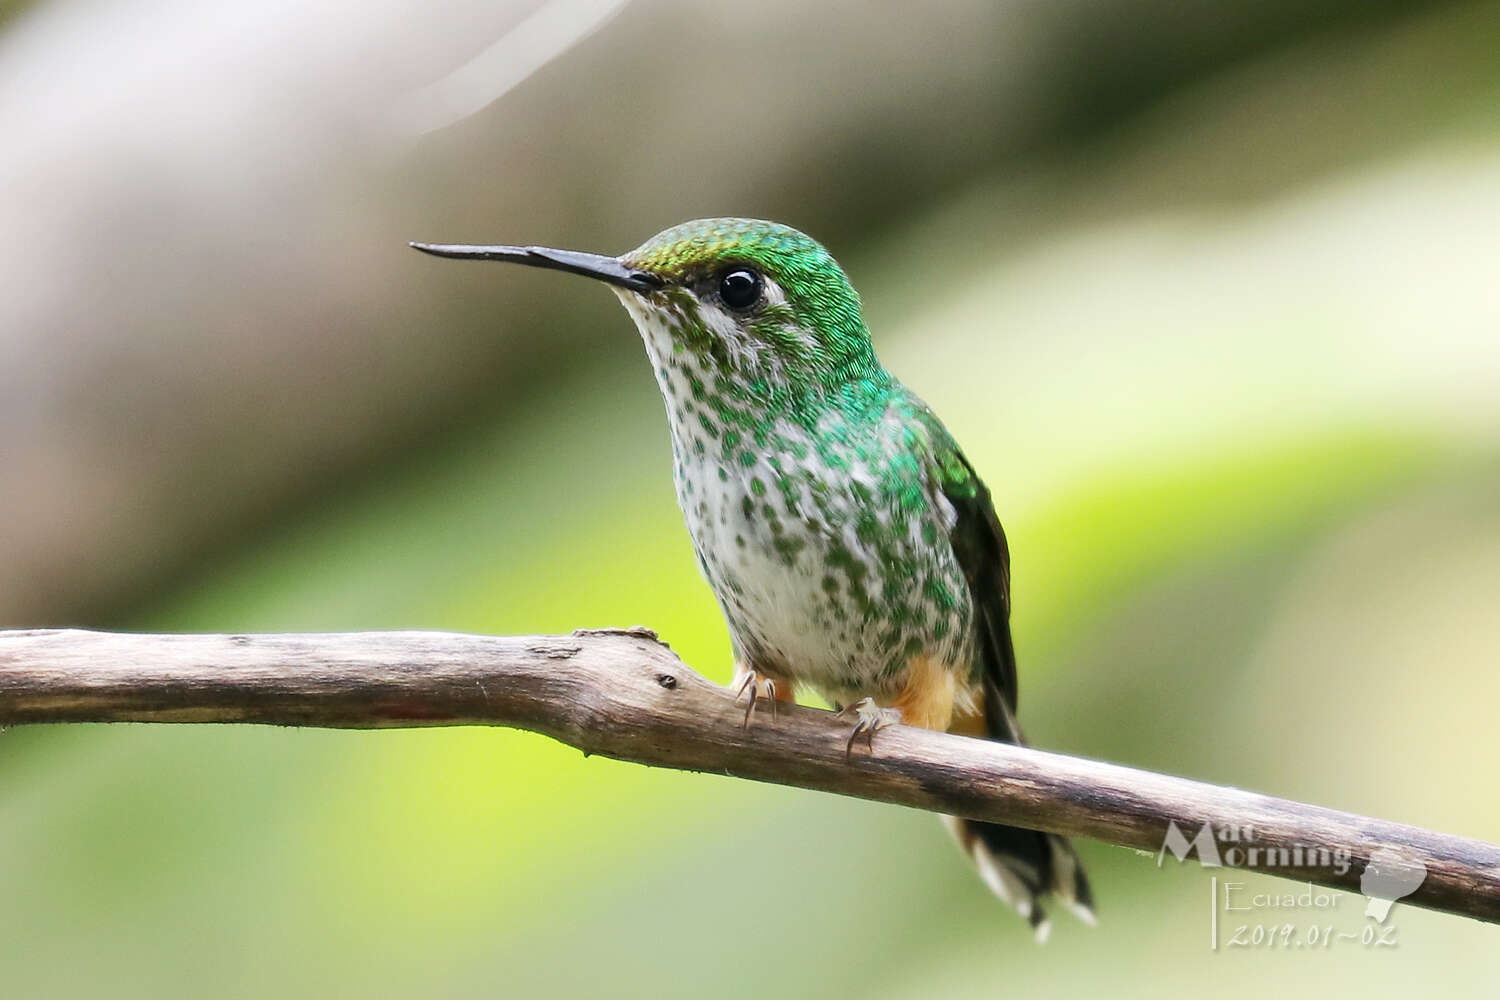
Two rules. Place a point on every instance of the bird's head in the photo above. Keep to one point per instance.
(754, 302)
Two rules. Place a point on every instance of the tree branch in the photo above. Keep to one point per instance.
(623, 694)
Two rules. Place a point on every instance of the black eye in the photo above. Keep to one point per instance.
(740, 288)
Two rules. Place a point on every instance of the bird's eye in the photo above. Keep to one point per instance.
(740, 288)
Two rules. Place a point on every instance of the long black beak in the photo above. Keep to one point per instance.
(590, 265)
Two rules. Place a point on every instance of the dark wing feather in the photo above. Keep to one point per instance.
(1021, 866)
(979, 543)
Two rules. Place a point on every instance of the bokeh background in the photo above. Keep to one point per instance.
(1208, 290)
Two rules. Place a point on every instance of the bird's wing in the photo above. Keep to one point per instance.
(1021, 866)
(979, 543)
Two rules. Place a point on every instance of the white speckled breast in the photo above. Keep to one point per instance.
(782, 522)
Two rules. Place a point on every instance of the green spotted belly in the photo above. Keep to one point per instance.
(818, 579)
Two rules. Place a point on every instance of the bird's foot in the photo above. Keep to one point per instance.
(869, 717)
(757, 686)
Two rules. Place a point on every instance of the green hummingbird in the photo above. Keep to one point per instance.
(851, 545)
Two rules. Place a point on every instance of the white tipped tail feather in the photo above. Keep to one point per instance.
(1024, 867)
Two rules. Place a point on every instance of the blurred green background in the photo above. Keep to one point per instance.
(1207, 290)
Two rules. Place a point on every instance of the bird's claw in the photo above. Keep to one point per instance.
(753, 684)
(870, 718)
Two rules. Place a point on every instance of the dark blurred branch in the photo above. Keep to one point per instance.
(623, 694)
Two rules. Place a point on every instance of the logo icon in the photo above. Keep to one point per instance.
(1389, 876)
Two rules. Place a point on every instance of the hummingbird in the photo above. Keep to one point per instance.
(851, 545)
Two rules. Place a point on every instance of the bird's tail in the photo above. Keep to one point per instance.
(1022, 867)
